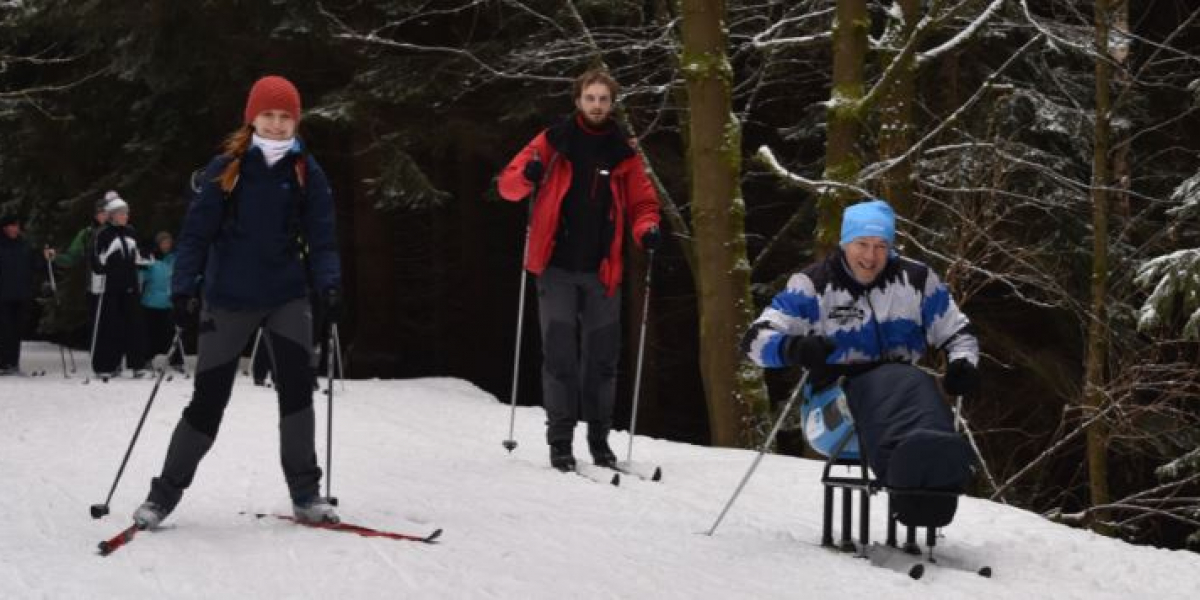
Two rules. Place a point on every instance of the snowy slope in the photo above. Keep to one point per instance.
(414, 455)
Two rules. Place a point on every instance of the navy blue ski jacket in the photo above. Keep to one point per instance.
(250, 243)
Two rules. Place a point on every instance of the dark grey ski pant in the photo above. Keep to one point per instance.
(287, 336)
(581, 339)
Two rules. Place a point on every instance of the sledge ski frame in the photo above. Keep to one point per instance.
(867, 487)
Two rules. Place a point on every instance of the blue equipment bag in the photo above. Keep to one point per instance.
(827, 420)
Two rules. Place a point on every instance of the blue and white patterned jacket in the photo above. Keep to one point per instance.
(906, 310)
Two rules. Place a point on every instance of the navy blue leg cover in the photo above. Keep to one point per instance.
(907, 432)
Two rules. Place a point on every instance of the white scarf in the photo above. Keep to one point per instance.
(273, 150)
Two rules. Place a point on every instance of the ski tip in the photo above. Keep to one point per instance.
(431, 538)
(105, 548)
(917, 571)
(985, 572)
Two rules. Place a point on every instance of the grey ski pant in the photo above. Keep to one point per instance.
(581, 339)
(287, 336)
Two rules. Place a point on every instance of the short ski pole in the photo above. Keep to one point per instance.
(960, 425)
(637, 378)
(99, 510)
(510, 443)
(329, 423)
(787, 409)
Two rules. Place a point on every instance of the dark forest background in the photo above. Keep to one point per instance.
(983, 134)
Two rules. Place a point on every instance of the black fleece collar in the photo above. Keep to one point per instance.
(565, 136)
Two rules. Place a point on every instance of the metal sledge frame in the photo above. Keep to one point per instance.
(866, 486)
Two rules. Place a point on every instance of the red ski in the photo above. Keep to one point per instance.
(111, 545)
(359, 529)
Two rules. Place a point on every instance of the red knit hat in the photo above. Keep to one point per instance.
(272, 92)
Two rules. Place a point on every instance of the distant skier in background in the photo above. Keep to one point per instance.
(592, 189)
(119, 330)
(81, 251)
(260, 204)
(156, 300)
(20, 264)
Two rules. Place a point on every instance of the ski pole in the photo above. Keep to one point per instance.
(336, 346)
(99, 510)
(178, 344)
(96, 325)
(510, 443)
(58, 303)
(253, 353)
(637, 378)
(960, 425)
(787, 409)
(329, 424)
(62, 353)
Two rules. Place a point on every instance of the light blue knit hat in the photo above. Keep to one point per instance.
(873, 218)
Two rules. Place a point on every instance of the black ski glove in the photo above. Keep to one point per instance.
(534, 169)
(331, 305)
(808, 351)
(651, 239)
(184, 309)
(962, 378)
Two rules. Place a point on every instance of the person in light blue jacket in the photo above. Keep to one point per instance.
(156, 300)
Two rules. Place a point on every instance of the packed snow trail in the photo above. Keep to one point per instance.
(417, 455)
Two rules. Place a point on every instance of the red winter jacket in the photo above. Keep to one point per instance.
(634, 199)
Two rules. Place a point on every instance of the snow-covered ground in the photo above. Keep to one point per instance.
(419, 454)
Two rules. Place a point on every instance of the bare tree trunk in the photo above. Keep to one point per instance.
(896, 111)
(845, 112)
(733, 394)
(1097, 346)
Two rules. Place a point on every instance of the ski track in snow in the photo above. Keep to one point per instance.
(414, 455)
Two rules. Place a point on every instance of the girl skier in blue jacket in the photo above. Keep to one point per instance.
(258, 233)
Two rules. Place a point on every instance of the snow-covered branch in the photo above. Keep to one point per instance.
(878, 169)
(818, 187)
(963, 36)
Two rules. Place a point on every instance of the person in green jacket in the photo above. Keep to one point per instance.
(80, 252)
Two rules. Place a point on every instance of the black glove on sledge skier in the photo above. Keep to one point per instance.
(961, 378)
(808, 351)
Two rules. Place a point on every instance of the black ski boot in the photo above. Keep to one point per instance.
(561, 457)
(602, 455)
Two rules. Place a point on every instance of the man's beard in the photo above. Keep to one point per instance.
(591, 119)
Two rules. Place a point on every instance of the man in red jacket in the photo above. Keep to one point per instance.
(590, 187)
